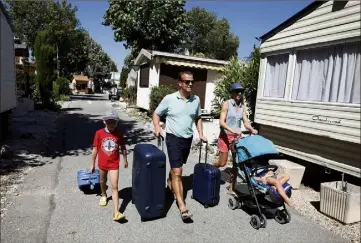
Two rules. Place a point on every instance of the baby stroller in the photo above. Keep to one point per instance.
(252, 154)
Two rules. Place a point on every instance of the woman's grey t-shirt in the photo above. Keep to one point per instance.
(234, 117)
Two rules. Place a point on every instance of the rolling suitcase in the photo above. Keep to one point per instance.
(88, 181)
(206, 182)
(148, 180)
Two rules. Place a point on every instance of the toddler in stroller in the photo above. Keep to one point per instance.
(269, 177)
(267, 191)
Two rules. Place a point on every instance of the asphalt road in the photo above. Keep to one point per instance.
(50, 208)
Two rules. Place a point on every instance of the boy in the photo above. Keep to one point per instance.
(106, 146)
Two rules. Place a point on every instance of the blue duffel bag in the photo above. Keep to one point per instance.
(87, 180)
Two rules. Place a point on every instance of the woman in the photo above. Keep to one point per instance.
(232, 113)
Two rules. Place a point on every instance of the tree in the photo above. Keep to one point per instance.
(235, 72)
(232, 73)
(125, 70)
(29, 17)
(250, 80)
(59, 18)
(155, 25)
(45, 54)
(98, 60)
(210, 36)
(76, 49)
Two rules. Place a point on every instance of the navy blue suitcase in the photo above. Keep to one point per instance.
(148, 180)
(206, 182)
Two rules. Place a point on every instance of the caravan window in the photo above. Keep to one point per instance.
(328, 74)
(276, 76)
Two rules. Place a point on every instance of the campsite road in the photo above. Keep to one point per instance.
(50, 207)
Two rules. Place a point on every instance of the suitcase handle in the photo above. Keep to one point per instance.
(200, 151)
(161, 141)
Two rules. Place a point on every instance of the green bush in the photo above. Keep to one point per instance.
(130, 94)
(157, 94)
(61, 88)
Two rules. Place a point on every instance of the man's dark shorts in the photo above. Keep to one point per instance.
(178, 150)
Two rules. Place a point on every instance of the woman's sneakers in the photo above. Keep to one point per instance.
(103, 201)
(118, 216)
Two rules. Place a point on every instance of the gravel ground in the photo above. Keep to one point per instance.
(30, 138)
(302, 197)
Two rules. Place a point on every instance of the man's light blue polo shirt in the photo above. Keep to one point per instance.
(180, 113)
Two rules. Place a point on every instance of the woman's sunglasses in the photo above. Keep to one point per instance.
(238, 91)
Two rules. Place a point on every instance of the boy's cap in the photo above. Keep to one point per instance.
(111, 116)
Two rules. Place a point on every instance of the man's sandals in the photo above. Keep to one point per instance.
(185, 213)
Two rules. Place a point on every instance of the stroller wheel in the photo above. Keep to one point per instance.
(282, 217)
(233, 203)
(255, 221)
(240, 204)
(263, 221)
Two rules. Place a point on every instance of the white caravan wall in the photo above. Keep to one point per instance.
(7, 62)
(322, 25)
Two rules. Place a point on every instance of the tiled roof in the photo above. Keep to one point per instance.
(80, 78)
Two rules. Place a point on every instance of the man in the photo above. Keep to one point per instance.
(181, 110)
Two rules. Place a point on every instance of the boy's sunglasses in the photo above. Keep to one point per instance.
(111, 122)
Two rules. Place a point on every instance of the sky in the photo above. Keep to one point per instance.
(248, 19)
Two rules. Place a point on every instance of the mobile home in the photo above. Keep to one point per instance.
(7, 73)
(162, 68)
(308, 100)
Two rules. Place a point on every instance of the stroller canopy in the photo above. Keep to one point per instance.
(254, 146)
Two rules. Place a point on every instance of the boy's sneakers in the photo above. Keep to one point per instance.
(103, 201)
(118, 216)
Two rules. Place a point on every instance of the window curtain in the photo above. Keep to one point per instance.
(276, 75)
(328, 74)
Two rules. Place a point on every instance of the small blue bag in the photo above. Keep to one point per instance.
(87, 180)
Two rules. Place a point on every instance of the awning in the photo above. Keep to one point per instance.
(192, 64)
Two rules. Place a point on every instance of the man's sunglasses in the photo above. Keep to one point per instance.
(188, 81)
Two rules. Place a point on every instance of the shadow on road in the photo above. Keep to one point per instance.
(74, 136)
(126, 195)
(78, 130)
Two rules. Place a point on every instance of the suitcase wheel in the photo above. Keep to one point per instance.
(205, 205)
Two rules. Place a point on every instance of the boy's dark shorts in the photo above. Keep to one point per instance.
(178, 150)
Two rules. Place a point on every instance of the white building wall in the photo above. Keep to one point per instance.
(143, 93)
(212, 76)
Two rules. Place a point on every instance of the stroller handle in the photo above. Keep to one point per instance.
(237, 138)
